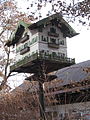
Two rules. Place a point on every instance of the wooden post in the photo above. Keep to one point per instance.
(41, 100)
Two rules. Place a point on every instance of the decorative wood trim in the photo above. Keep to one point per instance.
(53, 34)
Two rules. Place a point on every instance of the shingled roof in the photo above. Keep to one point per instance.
(74, 73)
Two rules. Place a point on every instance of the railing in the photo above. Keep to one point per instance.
(41, 57)
(56, 58)
(23, 61)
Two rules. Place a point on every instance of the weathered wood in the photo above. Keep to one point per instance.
(30, 64)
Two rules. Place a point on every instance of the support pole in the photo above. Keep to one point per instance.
(41, 99)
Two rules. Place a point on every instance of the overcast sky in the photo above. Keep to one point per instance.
(79, 46)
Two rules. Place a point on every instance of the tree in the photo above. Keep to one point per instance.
(9, 17)
(72, 10)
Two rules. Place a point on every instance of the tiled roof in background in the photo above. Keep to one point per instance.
(74, 73)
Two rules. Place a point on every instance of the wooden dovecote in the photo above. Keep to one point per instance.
(43, 42)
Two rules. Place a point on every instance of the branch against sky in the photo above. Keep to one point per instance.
(71, 9)
(9, 17)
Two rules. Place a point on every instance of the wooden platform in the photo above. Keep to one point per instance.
(38, 62)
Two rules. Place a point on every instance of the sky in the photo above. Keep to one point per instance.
(78, 46)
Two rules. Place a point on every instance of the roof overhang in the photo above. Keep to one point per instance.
(17, 34)
(57, 19)
(65, 28)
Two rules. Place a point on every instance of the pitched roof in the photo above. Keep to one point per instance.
(14, 38)
(65, 28)
(74, 73)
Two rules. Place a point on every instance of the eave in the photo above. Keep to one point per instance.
(65, 28)
(17, 34)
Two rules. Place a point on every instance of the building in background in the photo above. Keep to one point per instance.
(69, 94)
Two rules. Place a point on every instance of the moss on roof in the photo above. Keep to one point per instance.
(26, 25)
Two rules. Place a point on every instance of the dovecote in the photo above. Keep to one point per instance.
(45, 41)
